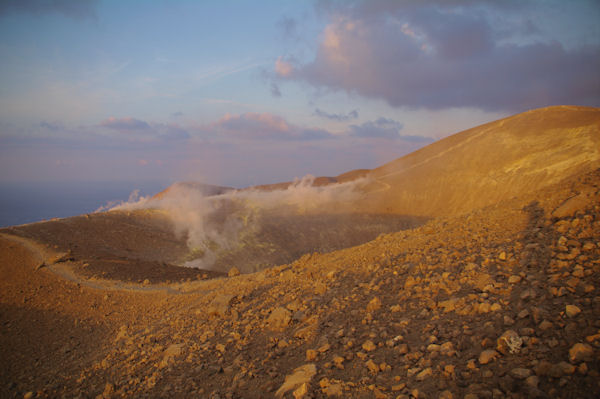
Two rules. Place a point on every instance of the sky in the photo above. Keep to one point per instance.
(239, 93)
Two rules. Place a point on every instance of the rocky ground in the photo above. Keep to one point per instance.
(500, 303)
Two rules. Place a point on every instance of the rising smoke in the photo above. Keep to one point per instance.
(216, 226)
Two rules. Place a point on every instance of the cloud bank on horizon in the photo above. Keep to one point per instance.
(239, 94)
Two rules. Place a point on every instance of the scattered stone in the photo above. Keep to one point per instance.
(373, 305)
(402, 349)
(311, 355)
(520, 373)
(545, 325)
(558, 370)
(509, 343)
(398, 387)
(580, 352)
(233, 272)
(572, 310)
(487, 356)
(433, 348)
(279, 318)
(532, 381)
(424, 374)
(333, 390)
(572, 205)
(514, 279)
(170, 353)
(219, 305)
(108, 390)
(301, 375)
(372, 366)
(324, 348)
(445, 395)
(338, 361)
(301, 391)
(369, 346)
(319, 288)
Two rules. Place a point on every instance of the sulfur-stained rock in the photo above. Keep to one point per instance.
(509, 342)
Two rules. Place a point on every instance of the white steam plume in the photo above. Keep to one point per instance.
(215, 222)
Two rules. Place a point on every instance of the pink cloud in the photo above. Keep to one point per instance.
(435, 58)
(264, 126)
(283, 68)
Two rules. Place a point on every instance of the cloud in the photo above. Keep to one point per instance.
(275, 92)
(51, 126)
(381, 128)
(176, 114)
(124, 124)
(76, 9)
(173, 132)
(442, 57)
(264, 126)
(289, 27)
(283, 68)
(337, 117)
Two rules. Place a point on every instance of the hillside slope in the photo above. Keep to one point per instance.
(496, 297)
(486, 164)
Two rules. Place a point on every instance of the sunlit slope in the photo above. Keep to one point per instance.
(486, 164)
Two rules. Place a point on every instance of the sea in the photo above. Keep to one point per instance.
(22, 203)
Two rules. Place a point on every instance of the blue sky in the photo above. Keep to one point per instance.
(249, 92)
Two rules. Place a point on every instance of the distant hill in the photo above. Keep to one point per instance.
(489, 163)
(478, 167)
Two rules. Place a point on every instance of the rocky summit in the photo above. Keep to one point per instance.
(494, 294)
